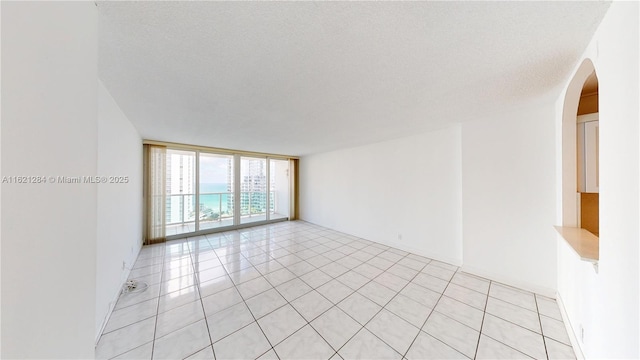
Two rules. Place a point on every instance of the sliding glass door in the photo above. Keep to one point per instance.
(216, 191)
(207, 190)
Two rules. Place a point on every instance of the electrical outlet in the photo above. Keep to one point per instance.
(124, 264)
(400, 237)
(581, 333)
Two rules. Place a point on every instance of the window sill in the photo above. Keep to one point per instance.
(584, 243)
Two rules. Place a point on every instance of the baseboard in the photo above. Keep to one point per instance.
(114, 299)
(577, 345)
(429, 255)
(113, 302)
(403, 247)
(544, 291)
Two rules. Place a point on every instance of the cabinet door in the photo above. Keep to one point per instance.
(581, 175)
(591, 156)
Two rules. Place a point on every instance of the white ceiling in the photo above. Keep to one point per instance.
(303, 77)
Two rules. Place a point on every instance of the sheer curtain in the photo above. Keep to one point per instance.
(155, 193)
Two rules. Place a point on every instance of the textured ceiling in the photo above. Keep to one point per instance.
(303, 77)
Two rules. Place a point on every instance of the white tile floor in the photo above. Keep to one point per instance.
(293, 290)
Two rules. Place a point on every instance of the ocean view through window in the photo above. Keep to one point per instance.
(207, 191)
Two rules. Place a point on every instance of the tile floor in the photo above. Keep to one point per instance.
(294, 290)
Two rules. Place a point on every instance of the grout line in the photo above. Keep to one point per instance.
(544, 342)
(428, 316)
(308, 233)
(333, 305)
(197, 283)
(382, 307)
(484, 313)
(155, 327)
(245, 304)
(296, 310)
(509, 346)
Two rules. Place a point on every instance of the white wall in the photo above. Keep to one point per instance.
(606, 303)
(508, 187)
(0, 200)
(119, 204)
(409, 186)
(49, 111)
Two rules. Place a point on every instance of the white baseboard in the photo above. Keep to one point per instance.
(421, 252)
(114, 299)
(544, 291)
(112, 306)
(577, 345)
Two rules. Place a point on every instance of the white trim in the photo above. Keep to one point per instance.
(577, 345)
(268, 188)
(540, 290)
(420, 252)
(236, 189)
(197, 191)
(588, 117)
(114, 300)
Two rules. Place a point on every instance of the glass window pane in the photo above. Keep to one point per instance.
(216, 190)
(253, 189)
(263, 190)
(180, 185)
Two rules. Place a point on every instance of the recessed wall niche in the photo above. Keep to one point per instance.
(587, 151)
(579, 224)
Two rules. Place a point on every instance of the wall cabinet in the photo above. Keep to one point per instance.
(588, 159)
